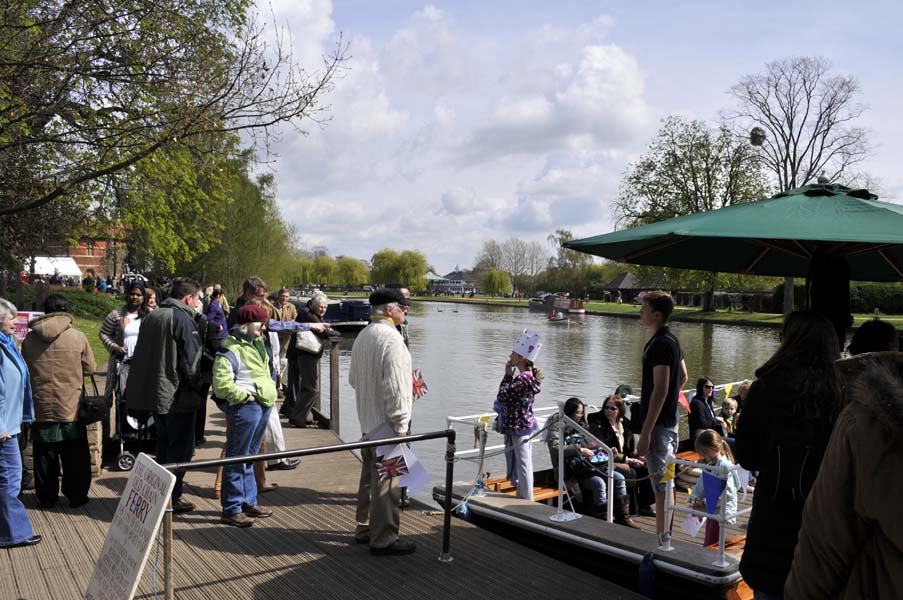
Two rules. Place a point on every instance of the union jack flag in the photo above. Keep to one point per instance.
(394, 466)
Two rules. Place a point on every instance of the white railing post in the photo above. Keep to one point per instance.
(722, 518)
(560, 516)
(665, 538)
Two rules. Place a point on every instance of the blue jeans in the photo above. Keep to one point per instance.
(247, 424)
(596, 488)
(14, 524)
(175, 443)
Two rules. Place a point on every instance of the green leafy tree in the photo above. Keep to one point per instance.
(352, 271)
(496, 282)
(411, 270)
(690, 168)
(89, 89)
(384, 266)
(325, 270)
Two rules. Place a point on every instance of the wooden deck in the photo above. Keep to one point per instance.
(304, 551)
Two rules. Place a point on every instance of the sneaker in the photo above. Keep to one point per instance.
(396, 548)
(237, 520)
(287, 465)
(182, 506)
(257, 512)
(647, 511)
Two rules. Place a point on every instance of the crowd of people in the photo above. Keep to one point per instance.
(168, 352)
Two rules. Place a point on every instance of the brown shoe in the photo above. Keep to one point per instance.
(257, 512)
(237, 520)
(622, 512)
(183, 506)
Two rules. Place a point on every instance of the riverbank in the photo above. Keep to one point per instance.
(681, 313)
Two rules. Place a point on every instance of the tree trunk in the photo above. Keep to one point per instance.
(788, 295)
(708, 297)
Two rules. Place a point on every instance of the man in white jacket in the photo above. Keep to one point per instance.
(381, 377)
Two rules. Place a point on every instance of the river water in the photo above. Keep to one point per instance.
(462, 349)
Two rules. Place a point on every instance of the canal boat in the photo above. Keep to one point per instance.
(555, 303)
(345, 314)
(680, 568)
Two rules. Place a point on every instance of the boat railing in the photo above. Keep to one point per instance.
(690, 393)
(481, 425)
(721, 516)
(560, 515)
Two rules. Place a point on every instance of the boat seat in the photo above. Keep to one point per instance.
(503, 486)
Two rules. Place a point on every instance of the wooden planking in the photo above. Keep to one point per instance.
(305, 550)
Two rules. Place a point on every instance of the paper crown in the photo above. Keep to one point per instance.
(528, 345)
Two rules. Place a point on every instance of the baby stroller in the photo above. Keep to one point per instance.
(133, 431)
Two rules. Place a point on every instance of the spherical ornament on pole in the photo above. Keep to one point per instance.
(757, 136)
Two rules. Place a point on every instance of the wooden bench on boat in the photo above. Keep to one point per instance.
(541, 493)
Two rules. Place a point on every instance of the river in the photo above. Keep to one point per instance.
(462, 349)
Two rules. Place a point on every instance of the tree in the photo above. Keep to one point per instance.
(496, 282)
(800, 117)
(690, 168)
(91, 88)
(325, 270)
(408, 268)
(383, 266)
(806, 115)
(352, 271)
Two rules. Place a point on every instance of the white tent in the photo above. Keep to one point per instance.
(48, 265)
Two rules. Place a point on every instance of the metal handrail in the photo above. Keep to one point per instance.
(610, 484)
(722, 517)
(449, 434)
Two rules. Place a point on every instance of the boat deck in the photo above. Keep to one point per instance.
(304, 551)
(614, 546)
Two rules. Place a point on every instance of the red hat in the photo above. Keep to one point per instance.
(251, 313)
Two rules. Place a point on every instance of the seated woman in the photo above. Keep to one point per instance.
(612, 427)
(702, 409)
(874, 336)
(576, 470)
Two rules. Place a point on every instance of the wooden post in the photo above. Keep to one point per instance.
(334, 385)
(167, 552)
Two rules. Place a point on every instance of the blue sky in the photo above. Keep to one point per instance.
(461, 122)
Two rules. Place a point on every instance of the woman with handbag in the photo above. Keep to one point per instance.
(304, 352)
(15, 409)
(612, 427)
(58, 358)
(578, 450)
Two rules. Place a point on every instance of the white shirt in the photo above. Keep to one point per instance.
(381, 377)
(130, 333)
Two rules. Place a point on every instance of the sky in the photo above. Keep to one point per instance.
(455, 123)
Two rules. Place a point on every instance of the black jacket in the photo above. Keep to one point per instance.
(786, 449)
(702, 416)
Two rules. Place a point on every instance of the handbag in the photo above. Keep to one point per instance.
(307, 341)
(91, 408)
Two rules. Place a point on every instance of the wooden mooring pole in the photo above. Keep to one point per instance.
(334, 385)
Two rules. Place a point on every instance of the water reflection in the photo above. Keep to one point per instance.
(462, 350)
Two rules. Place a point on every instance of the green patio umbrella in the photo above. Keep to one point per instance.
(776, 236)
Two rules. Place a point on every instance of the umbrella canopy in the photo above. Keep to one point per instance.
(776, 236)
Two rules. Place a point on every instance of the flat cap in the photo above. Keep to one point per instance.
(388, 296)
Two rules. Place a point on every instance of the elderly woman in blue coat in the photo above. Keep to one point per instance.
(15, 408)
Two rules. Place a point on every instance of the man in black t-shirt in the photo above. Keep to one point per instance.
(664, 372)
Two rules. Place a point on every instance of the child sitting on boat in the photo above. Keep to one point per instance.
(728, 413)
(715, 451)
(514, 405)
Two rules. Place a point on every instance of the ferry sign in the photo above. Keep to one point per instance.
(131, 535)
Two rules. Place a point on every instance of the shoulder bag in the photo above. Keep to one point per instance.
(307, 341)
(91, 408)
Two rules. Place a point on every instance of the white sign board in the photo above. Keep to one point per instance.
(132, 532)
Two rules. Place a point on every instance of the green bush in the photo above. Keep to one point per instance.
(81, 304)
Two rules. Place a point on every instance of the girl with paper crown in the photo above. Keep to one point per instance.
(514, 405)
